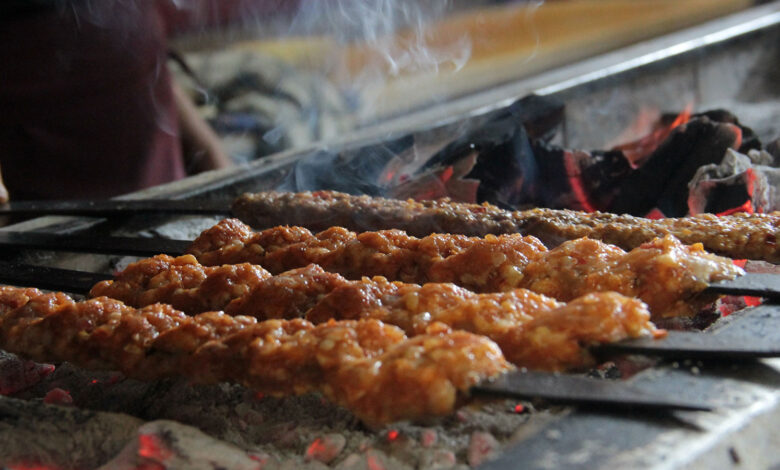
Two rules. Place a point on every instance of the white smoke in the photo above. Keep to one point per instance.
(378, 41)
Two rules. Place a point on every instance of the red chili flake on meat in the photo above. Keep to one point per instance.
(392, 435)
(151, 447)
(519, 408)
(58, 396)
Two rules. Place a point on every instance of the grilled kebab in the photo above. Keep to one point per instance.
(739, 236)
(664, 273)
(532, 330)
(371, 368)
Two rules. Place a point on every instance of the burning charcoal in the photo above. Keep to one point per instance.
(61, 437)
(58, 396)
(541, 116)
(738, 182)
(439, 459)
(749, 139)
(505, 166)
(662, 181)
(174, 445)
(575, 179)
(326, 448)
(17, 374)
(428, 438)
(482, 447)
(488, 159)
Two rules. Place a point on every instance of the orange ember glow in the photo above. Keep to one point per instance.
(637, 151)
(746, 207)
(392, 435)
(317, 447)
(447, 174)
(519, 408)
(575, 181)
(151, 447)
(655, 214)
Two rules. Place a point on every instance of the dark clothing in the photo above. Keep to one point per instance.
(86, 105)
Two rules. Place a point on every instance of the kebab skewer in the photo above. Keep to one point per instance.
(739, 236)
(370, 368)
(664, 273)
(532, 330)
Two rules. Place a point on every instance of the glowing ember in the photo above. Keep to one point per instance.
(373, 461)
(326, 448)
(747, 206)
(519, 408)
(637, 151)
(58, 396)
(482, 446)
(575, 181)
(392, 435)
(151, 447)
(447, 174)
(655, 214)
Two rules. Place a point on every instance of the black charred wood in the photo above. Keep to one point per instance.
(750, 140)
(662, 181)
(577, 179)
(542, 116)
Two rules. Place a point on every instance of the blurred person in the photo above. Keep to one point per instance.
(88, 108)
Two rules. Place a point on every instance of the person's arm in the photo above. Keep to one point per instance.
(200, 145)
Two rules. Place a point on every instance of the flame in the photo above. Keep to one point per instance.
(638, 150)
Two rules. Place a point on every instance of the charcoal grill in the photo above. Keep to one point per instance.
(728, 62)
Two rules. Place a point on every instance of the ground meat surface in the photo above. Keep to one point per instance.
(666, 274)
(319, 296)
(481, 264)
(371, 368)
(739, 236)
